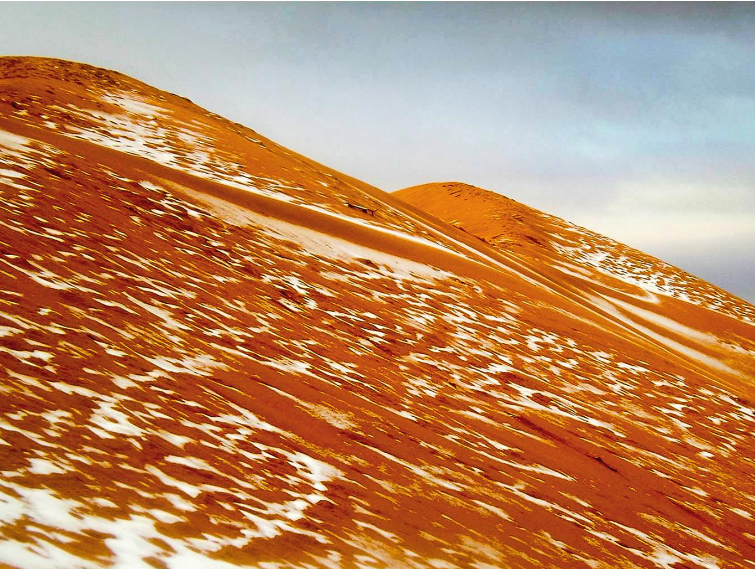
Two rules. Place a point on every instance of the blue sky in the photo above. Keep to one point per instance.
(636, 120)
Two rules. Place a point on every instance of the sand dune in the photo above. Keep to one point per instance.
(216, 352)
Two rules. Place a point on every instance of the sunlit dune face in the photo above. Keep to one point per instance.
(218, 353)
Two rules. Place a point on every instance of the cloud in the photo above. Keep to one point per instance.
(674, 198)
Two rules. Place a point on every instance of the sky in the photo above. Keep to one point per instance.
(636, 120)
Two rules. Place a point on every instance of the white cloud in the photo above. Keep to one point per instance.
(703, 232)
(689, 197)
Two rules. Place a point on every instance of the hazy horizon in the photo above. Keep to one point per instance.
(634, 120)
